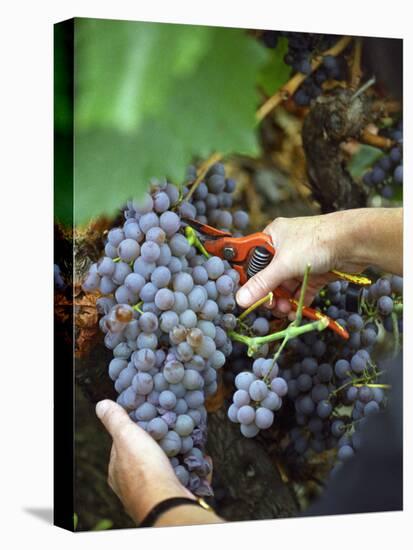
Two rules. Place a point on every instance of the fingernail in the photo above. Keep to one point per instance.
(243, 297)
(101, 408)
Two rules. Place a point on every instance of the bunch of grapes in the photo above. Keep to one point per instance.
(259, 393)
(302, 47)
(332, 385)
(164, 311)
(212, 201)
(386, 175)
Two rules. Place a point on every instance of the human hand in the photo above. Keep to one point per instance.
(314, 240)
(139, 471)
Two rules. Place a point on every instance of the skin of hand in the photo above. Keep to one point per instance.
(298, 242)
(347, 241)
(139, 471)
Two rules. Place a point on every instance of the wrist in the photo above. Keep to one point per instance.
(147, 498)
(346, 234)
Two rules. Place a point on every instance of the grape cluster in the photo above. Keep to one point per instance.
(383, 300)
(212, 201)
(331, 385)
(386, 175)
(165, 309)
(259, 393)
(302, 47)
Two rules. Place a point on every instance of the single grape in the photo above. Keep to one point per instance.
(385, 305)
(324, 409)
(173, 372)
(184, 425)
(183, 282)
(342, 368)
(345, 452)
(240, 398)
(144, 359)
(194, 399)
(157, 428)
(168, 320)
(249, 430)
(188, 318)
(197, 298)
(279, 386)
(171, 443)
(167, 399)
(192, 380)
(116, 366)
(246, 414)
(240, 219)
(145, 412)
(170, 223)
(142, 383)
(243, 380)
(371, 408)
(264, 418)
(272, 401)
(164, 299)
(215, 267)
(233, 413)
(116, 236)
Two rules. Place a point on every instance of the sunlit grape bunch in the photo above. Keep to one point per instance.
(259, 394)
(164, 306)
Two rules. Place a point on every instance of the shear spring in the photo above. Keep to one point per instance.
(259, 260)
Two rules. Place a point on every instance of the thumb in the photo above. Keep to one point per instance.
(112, 416)
(262, 283)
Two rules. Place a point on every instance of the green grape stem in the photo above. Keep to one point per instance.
(193, 240)
(254, 343)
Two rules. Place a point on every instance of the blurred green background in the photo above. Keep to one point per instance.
(149, 98)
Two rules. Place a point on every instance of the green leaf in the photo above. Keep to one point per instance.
(363, 159)
(125, 69)
(209, 106)
(275, 73)
(75, 521)
(103, 524)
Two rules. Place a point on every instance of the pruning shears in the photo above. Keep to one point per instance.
(250, 254)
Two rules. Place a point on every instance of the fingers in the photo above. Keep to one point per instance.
(113, 417)
(262, 283)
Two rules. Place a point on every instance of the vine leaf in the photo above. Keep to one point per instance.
(276, 72)
(152, 97)
(363, 159)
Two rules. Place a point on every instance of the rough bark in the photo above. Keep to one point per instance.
(246, 480)
(331, 121)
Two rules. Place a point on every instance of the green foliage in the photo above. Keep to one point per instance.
(103, 525)
(275, 73)
(75, 521)
(363, 159)
(152, 97)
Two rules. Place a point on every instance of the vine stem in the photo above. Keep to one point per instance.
(375, 140)
(396, 334)
(202, 170)
(383, 386)
(255, 342)
(295, 82)
(299, 314)
(359, 382)
(258, 303)
(137, 307)
(192, 239)
(356, 71)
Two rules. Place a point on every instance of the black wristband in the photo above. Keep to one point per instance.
(164, 506)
